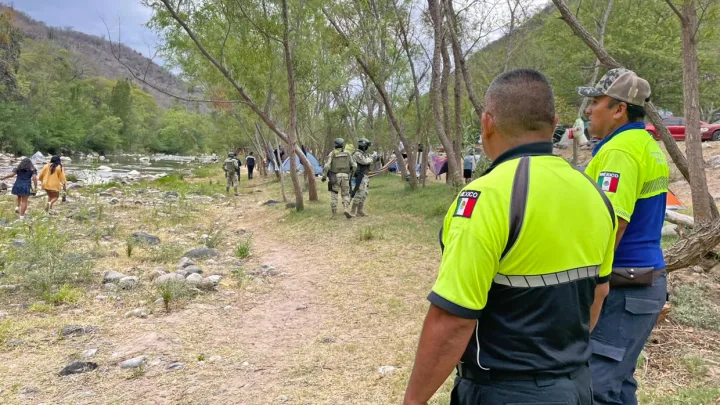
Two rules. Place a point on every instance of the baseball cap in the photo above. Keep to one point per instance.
(622, 84)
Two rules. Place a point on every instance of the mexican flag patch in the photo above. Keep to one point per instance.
(609, 181)
(466, 203)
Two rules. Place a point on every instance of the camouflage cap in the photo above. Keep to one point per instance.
(621, 84)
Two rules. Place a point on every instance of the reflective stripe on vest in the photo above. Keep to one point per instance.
(545, 280)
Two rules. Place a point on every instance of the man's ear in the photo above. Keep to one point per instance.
(620, 110)
(488, 124)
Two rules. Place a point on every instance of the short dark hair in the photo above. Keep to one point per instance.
(521, 100)
(635, 113)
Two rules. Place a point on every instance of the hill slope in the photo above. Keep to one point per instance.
(93, 58)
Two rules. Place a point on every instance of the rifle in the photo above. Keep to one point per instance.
(359, 174)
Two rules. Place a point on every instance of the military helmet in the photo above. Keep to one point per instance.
(231, 154)
(339, 143)
(364, 144)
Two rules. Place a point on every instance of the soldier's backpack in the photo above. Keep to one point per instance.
(340, 162)
(230, 168)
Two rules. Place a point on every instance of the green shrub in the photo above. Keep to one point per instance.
(369, 233)
(214, 238)
(165, 253)
(242, 250)
(44, 263)
(64, 295)
(174, 291)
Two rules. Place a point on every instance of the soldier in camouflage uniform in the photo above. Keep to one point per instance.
(231, 166)
(338, 168)
(360, 192)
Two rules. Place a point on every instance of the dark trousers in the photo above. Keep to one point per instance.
(572, 389)
(627, 318)
(250, 170)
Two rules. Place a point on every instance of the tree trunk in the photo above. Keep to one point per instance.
(457, 87)
(279, 171)
(601, 39)
(692, 249)
(291, 106)
(436, 92)
(451, 153)
(453, 30)
(693, 147)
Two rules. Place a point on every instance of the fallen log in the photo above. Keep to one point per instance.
(679, 219)
(691, 250)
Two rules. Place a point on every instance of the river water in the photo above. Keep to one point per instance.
(99, 170)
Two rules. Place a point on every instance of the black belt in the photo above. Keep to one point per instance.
(478, 375)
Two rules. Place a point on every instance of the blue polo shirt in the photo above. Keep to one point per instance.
(632, 170)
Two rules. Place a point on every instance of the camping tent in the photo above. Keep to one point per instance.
(673, 203)
(317, 167)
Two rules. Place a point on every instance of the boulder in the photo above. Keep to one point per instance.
(200, 253)
(172, 277)
(264, 271)
(104, 168)
(215, 279)
(152, 275)
(193, 269)
(184, 262)
(137, 313)
(128, 283)
(76, 330)
(669, 230)
(143, 238)
(112, 277)
(78, 367)
(194, 279)
(135, 362)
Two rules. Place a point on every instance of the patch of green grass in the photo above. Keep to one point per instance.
(64, 295)
(696, 366)
(45, 263)
(205, 171)
(692, 306)
(174, 292)
(165, 253)
(683, 396)
(242, 250)
(39, 307)
(668, 241)
(177, 183)
(71, 177)
(369, 233)
(214, 238)
(129, 247)
(5, 329)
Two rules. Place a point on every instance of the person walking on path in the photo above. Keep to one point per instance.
(52, 180)
(338, 168)
(24, 184)
(250, 163)
(231, 166)
(633, 171)
(513, 320)
(363, 159)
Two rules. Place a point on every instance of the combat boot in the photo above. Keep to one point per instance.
(360, 211)
(354, 209)
(348, 214)
(334, 213)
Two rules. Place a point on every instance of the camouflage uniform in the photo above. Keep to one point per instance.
(363, 160)
(232, 171)
(342, 185)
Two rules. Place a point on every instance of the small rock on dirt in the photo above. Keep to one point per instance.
(172, 277)
(185, 262)
(78, 367)
(215, 279)
(714, 161)
(137, 313)
(76, 330)
(182, 273)
(156, 273)
(669, 230)
(29, 391)
(264, 271)
(89, 353)
(176, 366)
(111, 287)
(8, 287)
(135, 362)
(128, 283)
(201, 253)
(386, 370)
(290, 205)
(214, 359)
(114, 201)
(194, 279)
(145, 238)
(193, 269)
(112, 277)
(101, 298)
(271, 203)
(14, 342)
(228, 308)
(172, 194)
(283, 398)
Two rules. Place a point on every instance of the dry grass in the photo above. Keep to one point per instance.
(343, 305)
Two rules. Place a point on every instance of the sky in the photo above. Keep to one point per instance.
(87, 16)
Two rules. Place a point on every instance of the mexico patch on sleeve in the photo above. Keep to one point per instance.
(609, 181)
(466, 203)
